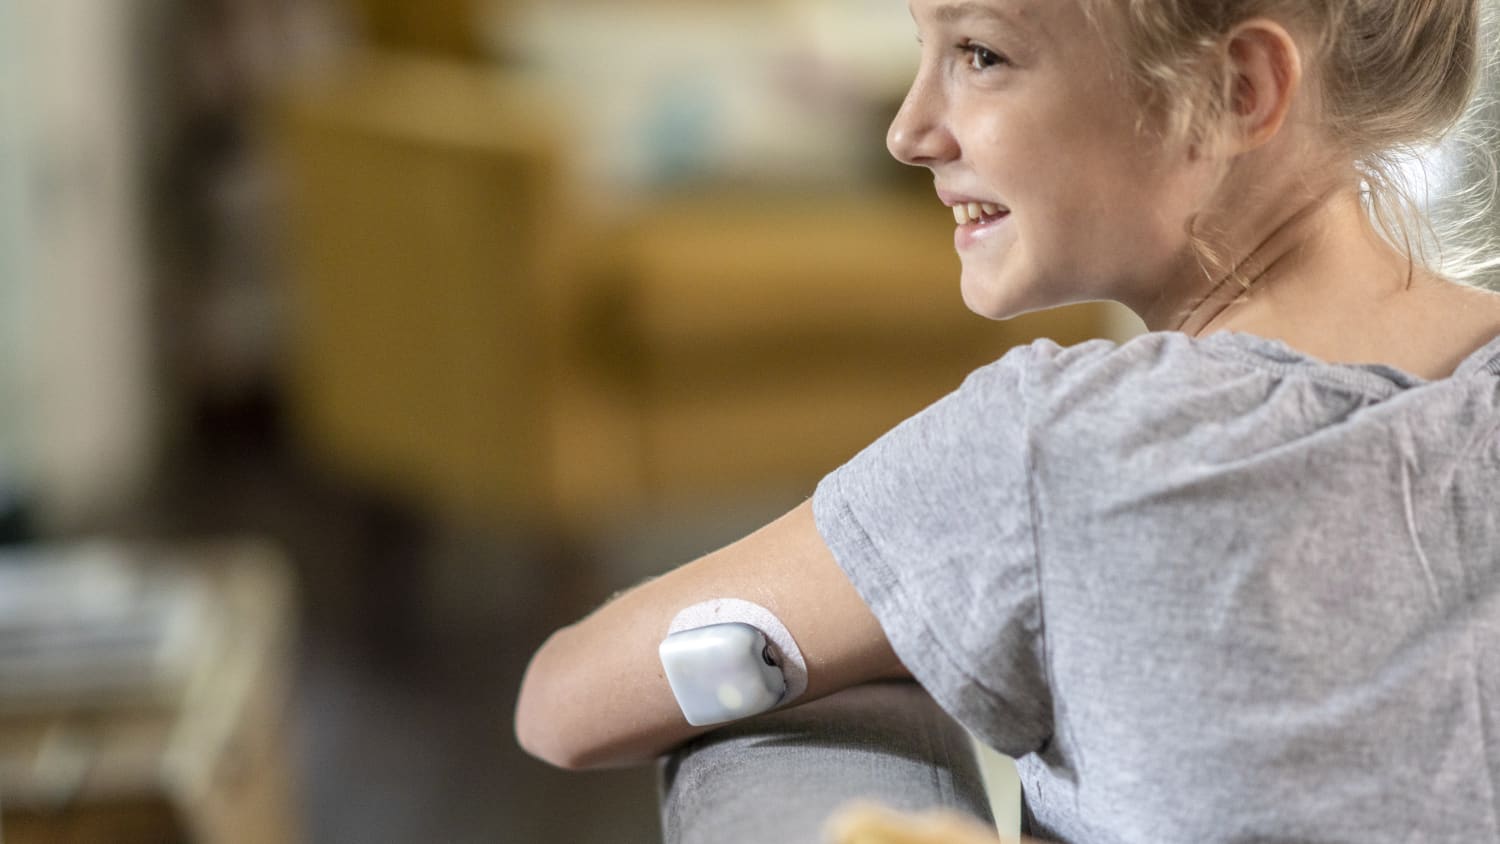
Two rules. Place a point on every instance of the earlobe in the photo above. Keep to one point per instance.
(1265, 66)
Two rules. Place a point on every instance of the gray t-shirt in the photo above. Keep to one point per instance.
(1206, 590)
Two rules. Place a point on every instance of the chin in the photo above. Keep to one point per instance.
(995, 299)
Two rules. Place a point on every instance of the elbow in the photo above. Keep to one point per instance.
(554, 720)
(540, 738)
(536, 737)
(536, 740)
(539, 726)
(579, 711)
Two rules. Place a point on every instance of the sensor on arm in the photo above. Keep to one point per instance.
(729, 659)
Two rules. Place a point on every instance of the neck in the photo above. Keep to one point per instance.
(1325, 283)
(1290, 248)
(1320, 258)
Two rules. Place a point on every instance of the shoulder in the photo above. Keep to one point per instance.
(1153, 363)
(1158, 386)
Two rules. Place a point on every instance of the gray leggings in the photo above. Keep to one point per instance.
(777, 778)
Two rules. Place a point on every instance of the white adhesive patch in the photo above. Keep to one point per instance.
(727, 610)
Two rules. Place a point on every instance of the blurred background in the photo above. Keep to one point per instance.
(348, 347)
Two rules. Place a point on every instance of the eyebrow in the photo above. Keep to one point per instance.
(950, 12)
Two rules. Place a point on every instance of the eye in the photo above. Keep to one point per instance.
(981, 58)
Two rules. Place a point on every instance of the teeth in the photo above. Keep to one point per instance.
(972, 212)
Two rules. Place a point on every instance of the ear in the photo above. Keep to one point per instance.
(1265, 73)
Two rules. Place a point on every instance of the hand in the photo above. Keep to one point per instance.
(867, 823)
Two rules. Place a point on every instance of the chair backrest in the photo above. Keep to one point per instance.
(420, 192)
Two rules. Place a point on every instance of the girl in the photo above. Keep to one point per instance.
(1236, 579)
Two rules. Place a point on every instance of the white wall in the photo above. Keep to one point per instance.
(75, 381)
(789, 92)
(14, 304)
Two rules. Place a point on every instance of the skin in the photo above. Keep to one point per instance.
(595, 694)
(1018, 103)
(1010, 105)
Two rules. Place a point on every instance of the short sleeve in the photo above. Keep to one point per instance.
(933, 524)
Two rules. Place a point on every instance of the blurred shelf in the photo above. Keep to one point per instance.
(202, 758)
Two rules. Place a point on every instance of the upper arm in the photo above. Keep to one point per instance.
(595, 694)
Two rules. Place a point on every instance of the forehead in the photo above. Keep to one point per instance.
(1064, 31)
(1022, 14)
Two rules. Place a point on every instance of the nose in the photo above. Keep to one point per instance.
(918, 135)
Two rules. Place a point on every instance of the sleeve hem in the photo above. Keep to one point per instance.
(915, 643)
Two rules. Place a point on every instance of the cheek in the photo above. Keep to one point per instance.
(1013, 146)
(1087, 190)
(1124, 197)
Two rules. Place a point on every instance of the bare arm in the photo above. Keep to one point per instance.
(595, 694)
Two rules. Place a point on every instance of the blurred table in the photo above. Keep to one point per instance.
(195, 750)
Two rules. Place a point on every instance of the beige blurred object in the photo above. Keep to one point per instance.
(421, 200)
(775, 336)
(868, 823)
(467, 333)
(208, 765)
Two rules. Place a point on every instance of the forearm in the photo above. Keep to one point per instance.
(596, 695)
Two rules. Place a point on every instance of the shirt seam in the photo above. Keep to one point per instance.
(1364, 383)
(1029, 463)
(1333, 375)
(995, 702)
(1486, 730)
(899, 594)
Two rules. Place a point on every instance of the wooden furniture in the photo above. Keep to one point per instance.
(451, 27)
(201, 758)
(419, 196)
(471, 333)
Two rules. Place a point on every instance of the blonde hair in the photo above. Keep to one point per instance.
(1394, 76)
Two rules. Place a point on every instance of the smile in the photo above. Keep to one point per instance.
(965, 213)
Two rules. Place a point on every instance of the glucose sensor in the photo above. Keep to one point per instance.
(722, 673)
(730, 659)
